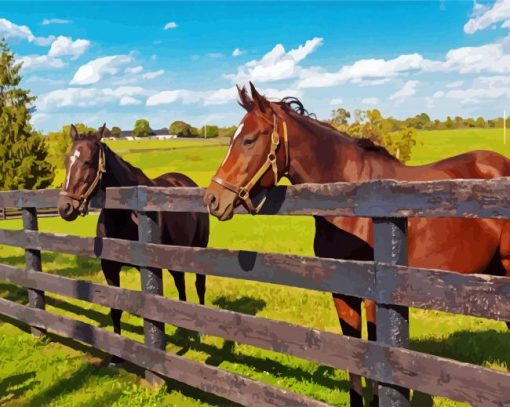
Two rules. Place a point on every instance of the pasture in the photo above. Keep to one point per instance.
(36, 372)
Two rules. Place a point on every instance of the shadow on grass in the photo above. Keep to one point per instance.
(15, 386)
(69, 265)
(479, 348)
(245, 304)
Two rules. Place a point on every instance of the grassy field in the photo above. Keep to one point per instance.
(58, 372)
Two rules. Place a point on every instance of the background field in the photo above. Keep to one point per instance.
(38, 372)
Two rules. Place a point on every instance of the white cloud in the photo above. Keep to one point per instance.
(170, 26)
(41, 62)
(485, 17)
(216, 97)
(375, 69)
(8, 29)
(456, 84)
(48, 21)
(134, 69)
(93, 71)
(128, 100)
(215, 55)
(276, 65)
(370, 101)
(237, 52)
(153, 74)
(438, 94)
(336, 101)
(408, 90)
(86, 97)
(66, 46)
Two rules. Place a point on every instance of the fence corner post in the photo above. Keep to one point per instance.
(390, 246)
(36, 298)
(154, 331)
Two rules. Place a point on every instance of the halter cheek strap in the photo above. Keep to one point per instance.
(243, 192)
(80, 201)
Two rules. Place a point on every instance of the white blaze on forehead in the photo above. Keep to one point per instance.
(238, 131)
(73, 159)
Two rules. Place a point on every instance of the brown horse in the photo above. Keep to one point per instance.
(92, 165)
(276, 139)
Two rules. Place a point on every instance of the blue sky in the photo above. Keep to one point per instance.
(115, 62)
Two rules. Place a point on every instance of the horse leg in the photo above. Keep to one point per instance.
(179, 283)
(111, 271)
(200, 286)
(348, 309)
(370, 310)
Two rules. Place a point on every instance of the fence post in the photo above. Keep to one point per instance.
(390, 246)
(154, 331)
(33, 263)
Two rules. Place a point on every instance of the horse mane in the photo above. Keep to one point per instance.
(294, 105)
(135, 170)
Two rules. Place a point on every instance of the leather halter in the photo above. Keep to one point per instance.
(80, 202)
(243, 192)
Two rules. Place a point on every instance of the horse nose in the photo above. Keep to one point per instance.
(65, 209)
(211, 201)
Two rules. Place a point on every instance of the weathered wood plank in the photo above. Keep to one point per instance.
(422, 372)
(378, 198)
(350, 277)
(478, 295)
(33, 263)
(207, 378)
(390, 246)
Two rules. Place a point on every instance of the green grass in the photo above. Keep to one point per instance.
(62, 373)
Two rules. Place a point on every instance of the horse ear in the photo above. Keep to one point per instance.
(244, 99)
(100, 132)
(73, 132)
(261, 102)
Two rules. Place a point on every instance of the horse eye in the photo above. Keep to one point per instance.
(249, 141)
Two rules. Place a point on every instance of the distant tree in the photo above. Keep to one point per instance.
(116, 131)
(209, 131)
(449, 122)
(60, 142)
(23, 152)
(227, 131)
(181, 129)
(142, 128)
(339, 116)
(458, 122)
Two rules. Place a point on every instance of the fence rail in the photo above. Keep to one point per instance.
(388, 281)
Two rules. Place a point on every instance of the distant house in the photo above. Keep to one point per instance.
(161, 134)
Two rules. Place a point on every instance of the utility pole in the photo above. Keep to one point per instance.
(504, 126)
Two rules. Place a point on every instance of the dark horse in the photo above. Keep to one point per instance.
(277, 139)
(91, 166)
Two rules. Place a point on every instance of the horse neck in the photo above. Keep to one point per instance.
(120, 173)
(320, 154)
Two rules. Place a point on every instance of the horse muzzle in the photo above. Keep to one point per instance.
(68, 208)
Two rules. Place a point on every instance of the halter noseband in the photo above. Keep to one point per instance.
(243, 192)
(83, 198)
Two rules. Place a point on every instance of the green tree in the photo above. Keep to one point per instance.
(60, 142)
(23, 151)
(183, 129)
(227, 131)
(449, 122)
(116, 131)
(142, 128)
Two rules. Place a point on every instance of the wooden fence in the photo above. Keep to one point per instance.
(387, 280)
